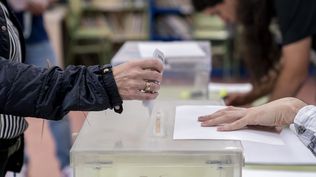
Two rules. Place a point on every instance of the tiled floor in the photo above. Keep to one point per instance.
(43, 162)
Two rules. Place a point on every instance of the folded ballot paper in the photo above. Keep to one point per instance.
(260, 147)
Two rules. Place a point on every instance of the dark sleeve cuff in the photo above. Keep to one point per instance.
(111, 88)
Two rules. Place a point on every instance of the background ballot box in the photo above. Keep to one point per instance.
(187, 70)
(134, 144)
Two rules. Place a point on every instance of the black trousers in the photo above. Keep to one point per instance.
(11, 155)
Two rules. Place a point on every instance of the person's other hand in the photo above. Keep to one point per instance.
(37, 7)
(138, 79)
(237, 99)
(278, 113)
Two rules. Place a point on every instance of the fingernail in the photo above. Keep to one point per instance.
(202, 117)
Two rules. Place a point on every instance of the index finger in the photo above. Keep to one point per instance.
(153, 64)
(216, 114)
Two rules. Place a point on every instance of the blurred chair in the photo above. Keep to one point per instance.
(89, 38)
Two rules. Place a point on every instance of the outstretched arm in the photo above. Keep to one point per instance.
(274, 114)
(31, 91)
(51, 93)
(278, 113)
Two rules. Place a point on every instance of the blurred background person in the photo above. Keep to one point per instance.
(39, 52)
(274, 70)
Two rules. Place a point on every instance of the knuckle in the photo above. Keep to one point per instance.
(131, 84)
(225, 114)
(151, 62)
(138, 73)
(160, 66)
(230, 108)
(131, 73)
(157, 76)
(210, 122)
(156, 62)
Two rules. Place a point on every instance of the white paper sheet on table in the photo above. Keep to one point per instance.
(260, 147)
(271, 173)
(171, 49)
(188, 127)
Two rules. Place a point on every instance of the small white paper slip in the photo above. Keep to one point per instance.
(171, 49)
(188, 127)
(150, 103)
(159, 55)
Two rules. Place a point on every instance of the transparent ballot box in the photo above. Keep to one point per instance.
(135, 144)
(184, 77)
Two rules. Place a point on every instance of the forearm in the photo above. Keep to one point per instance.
(51, 93)
(305, 125)
(288, 83)
(294, 69)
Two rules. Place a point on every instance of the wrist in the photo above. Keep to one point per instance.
(294, 105)
(111, 87)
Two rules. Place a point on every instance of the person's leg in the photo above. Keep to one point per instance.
(38, 55)
(62, 136)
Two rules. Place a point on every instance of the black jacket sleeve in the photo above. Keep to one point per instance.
(30, 91)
